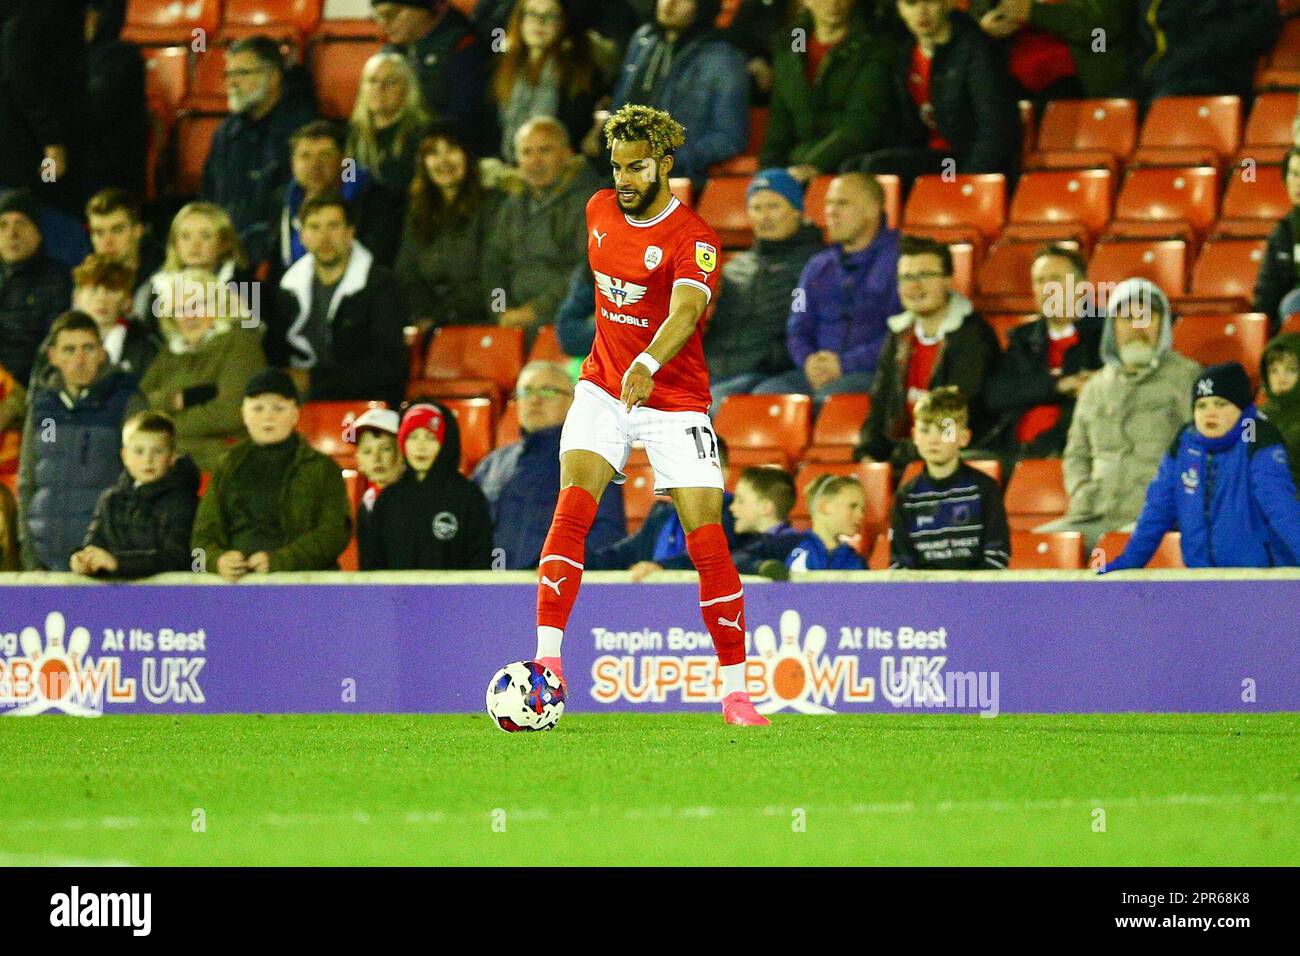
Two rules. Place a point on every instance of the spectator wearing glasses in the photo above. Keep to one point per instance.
(388, 121)
(522, 481)
(248, 164)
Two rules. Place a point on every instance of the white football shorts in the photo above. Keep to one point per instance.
(681, 446)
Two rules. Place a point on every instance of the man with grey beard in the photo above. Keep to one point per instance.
(1127, 414)
(248, 164)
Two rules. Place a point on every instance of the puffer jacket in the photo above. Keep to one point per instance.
(147, 527)
(70, 455)
(1123, 422)
(1232, 499)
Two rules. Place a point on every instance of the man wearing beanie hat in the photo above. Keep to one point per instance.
(1225, 484)
(450, 61)
(274, 502)
(831, 97)
(34, 289)
(432, 518)
(745, 341)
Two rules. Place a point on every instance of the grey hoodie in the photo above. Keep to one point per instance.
(1124, 421)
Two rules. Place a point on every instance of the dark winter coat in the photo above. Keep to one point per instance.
(33, 294)
(117, 129)
(974, 100)
(747, 331)
(958, 523)
(70, 455)
(521, 482)
(1283, 410)
(968, 355)
(315, 517)
(1231, 498)
(147, 527)
(441, 277)
(1279, 271)
(367, 359)
(438, 523)
(248, 164)
(1201, 47)
(848, 110)
(1023, 381)
(452, 64)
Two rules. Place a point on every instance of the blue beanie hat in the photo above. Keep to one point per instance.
(780, 182)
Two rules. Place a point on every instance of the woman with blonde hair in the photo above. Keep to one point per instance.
(202, 236)
(199, 378)
(388, 121)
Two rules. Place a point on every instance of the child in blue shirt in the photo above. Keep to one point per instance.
(1225, 484)
(837, 504)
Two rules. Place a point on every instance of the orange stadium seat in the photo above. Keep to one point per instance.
(474, 417)
(1003, 323)
(208, 87)
(1286, 52)
(336, 72)
(1168, 555)
(878, 559)
(1189, 130)
(967, 208)
(835, 433)
(1226, 268)
(1063, 196)
(766, 424)
(681, 187)
(990, 466)
(1252, 206)
(1082, 133)
(334, 27)
(1036, 493)
(814, 200)
(271, 17)
(1268, 130)
(169, 22)
(166, 80)
(722, 206)
(485, 354)
(193, 141)
(326, 426)
(352, 483)
(638, 495)
(1209, 339)
(1005, 269)
(1032, 550)
(963, 266)
(1158, 199)
(546, 346)
(1163, 261)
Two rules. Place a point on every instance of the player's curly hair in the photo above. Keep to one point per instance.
(645, 124)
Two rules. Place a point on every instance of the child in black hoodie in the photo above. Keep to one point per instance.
(142, 524)
(433, 518)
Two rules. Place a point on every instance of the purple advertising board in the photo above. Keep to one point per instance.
(959, 646)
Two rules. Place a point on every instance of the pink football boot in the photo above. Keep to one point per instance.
(737, 709)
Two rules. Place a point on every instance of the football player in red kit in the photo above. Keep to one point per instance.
(655, 264)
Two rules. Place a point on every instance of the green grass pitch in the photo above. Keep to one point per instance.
(647, 789)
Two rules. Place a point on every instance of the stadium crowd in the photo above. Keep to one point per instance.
(154, 393)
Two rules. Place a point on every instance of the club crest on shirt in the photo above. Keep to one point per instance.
(706, 257)
(445, 526)
(619, 291)
(653, 256)
(1190, 480)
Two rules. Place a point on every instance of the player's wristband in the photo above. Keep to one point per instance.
(648, 360)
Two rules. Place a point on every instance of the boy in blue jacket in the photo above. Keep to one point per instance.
(837, 504)
(1225, 483)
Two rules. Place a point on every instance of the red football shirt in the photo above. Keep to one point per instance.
(1040, 418)
(636, 266)
(918, 87)
(920, 368)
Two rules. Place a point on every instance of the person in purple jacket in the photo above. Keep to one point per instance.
(846, 292)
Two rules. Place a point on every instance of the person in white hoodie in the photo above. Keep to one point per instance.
(938, 339)
(339, 316)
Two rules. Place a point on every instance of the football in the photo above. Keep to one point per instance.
(525, 696)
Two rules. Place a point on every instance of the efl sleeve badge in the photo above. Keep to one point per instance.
(706, 257)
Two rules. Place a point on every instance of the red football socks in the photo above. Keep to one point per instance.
(559, 573)
(722, 599)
